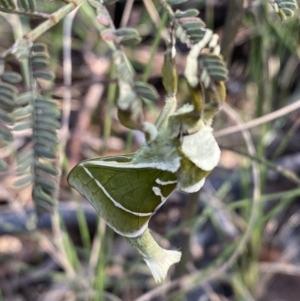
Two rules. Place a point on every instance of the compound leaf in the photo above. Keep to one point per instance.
(24, 181)
(11, 77)
(145, 90)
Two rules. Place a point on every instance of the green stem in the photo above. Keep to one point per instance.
(235, 14)
(112, 90)
(154, 47)
(289, 174)
(264, 198)
(36, 15)
(189, 213)
(43, 27)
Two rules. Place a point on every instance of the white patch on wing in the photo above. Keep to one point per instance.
(202, 149)
(137, 233)
(157, 192)
(160, 182)
(172, 166)
(194, 188)
(109, 196)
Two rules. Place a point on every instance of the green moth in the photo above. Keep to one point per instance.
(179, 153)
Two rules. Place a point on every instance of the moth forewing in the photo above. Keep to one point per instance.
(126, 195)
(200, 154)
(190, 177)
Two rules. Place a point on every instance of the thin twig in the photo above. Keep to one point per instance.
(219, 208)
(152, 11)
(235, 14)
(67, 75)
(126, 13)
(150, 7)
(67, 67)
(55, 253)
(280, 267)
(258, 121)
(289, 174)
(91, 100)
(35, 15)
(189, 212)
(286, 139)
(242, 289)
(43, 27)
(95, 252)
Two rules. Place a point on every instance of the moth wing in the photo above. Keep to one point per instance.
(200, 154)
(124, 194)
(202, 149)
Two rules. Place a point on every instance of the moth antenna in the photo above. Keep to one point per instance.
(158, 259)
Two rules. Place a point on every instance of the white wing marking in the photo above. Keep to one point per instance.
(137, 233)
(193, 188)
(157, 192)
(109, 196)
(160, 182)
(168, 166)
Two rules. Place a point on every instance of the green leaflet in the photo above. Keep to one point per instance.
(173, 2)
(3, 166)
(125, 194)
(9, 4)
(11, 77)
(23, 181)
(189, 13)
(5, 133)
(39, 47)
(145, 90)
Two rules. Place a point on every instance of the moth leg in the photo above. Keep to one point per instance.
(130, 111)
(170, 81)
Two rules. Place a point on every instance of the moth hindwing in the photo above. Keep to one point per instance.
(126, 195)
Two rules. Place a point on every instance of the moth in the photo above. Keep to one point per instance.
(180, 152)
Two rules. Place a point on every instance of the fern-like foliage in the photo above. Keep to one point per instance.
(8, 96)
(20, 5)
(7, 4)
(33, 8)
(44, 124)
(205, 53)
(32, 110)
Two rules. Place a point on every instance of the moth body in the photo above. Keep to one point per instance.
(180, 150)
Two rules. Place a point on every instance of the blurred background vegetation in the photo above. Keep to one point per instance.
(239, 235)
